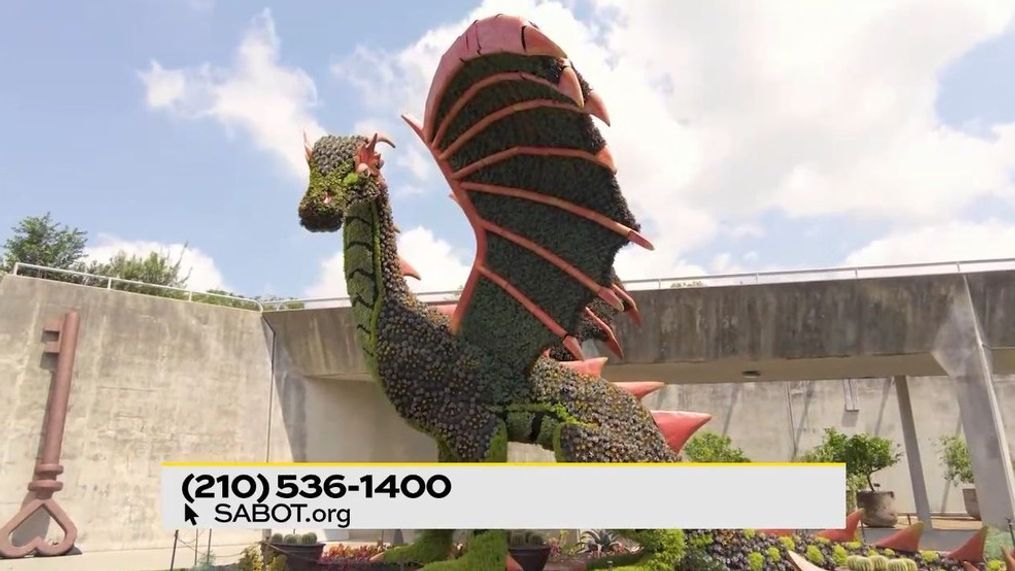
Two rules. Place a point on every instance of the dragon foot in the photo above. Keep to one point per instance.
(431, 545)
(486, 550)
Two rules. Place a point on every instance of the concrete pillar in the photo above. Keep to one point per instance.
(959, 349)
(912, 449)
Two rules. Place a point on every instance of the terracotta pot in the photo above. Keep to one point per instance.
(972, 504)
(531, 557)
(878, 508)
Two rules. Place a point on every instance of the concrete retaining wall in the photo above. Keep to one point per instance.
(156, 380)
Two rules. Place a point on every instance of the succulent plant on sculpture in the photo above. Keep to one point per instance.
(509, 122)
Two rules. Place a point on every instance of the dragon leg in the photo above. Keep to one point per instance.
(598, 421)
(661, 549)
(431, 544)
(487, 549)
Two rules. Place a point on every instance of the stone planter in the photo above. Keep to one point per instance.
(878, 508)
(300, 557)
(531, 557)
(972, 504)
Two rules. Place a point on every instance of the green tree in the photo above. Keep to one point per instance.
(41, 241)
(155, 268)
(867, 454)
(863, 454)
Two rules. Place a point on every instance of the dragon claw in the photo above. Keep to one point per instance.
(574, 347)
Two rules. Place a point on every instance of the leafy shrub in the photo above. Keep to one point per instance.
(713, 448)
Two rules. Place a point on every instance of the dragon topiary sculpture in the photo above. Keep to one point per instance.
(509, 122)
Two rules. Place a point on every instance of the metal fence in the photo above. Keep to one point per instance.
(747, 278)
(694, 281)
(107, 282)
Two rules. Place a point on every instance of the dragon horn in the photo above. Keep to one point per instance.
(378, 137)
(1009, 559)
(307, 149)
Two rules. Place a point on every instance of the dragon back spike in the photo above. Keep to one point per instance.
(971, 550)
(906, 540)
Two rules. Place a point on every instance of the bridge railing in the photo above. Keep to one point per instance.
(120, 284)
(451, 296)
(745, 278)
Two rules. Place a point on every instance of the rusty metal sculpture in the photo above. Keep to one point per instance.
(45, 483)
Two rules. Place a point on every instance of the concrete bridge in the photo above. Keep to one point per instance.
(955, 325)
(158, 378)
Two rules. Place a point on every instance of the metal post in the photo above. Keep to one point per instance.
(45, 483)
(172, 560)
(109, 283)
(912, 449)
(208, 554)
(197, 543)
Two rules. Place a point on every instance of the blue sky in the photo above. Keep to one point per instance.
(142, 123)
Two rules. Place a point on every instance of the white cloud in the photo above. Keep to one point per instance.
(264, 100)
(948, 242)
(203, 274)
(722, 111)
(440, 266)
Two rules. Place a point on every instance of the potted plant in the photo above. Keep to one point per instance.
(833, 449)
(711, 447)
(954, 454)
(302, 552)
(866, 455)
(529, 549)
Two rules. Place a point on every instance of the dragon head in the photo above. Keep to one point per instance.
(343, 172)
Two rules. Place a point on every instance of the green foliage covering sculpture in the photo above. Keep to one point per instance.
(509, 122)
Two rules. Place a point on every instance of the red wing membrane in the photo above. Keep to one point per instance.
(509, 122)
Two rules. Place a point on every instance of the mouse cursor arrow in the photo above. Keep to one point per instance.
(189, 515)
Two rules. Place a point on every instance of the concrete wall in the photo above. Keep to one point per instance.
(164, 380)
(154, 380)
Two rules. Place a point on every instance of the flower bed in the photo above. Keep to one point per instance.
(341, 557)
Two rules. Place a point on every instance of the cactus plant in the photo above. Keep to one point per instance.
(880, 562)
(276, 539)
(308, 538)
(859, 563)
(290, 539)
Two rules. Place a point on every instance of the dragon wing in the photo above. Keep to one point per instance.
(509, 121)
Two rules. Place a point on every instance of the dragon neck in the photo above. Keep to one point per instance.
(372, 271)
